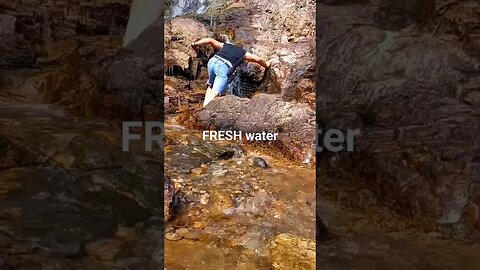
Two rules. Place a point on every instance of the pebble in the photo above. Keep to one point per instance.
(195, 213)
(199, 225)
(204, 198)
(229, 211)
(181, 231)
(197, 171)
(172, 236)
(260, 162)
(126, 234)
(220, 172)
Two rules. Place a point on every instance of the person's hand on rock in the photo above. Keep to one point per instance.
(272, 61)
(269, 63)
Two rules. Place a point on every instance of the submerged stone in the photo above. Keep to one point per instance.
(291, 252)
(104, 250)
(260, 162)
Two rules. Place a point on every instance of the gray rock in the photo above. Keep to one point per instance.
(259, 162)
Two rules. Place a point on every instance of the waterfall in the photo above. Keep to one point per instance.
(182, 7)
(142, 14)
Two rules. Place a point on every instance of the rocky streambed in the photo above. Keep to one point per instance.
(234, 209)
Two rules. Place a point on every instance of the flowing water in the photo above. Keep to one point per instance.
(181, 7)
(231, 209)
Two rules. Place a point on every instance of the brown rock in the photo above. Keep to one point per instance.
(104, 250)
(265, 112)
(406, 91)
(168, 192)
(291, 252)
(126, 234)
(198, 171)
(221, 199)
(184, 31)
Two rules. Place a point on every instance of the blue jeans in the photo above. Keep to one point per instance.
(218, 74)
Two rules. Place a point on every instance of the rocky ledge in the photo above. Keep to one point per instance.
(288, 89)
(415, 96)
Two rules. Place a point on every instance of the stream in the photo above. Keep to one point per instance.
(233, 206)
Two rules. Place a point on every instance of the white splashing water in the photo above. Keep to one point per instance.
(182, 7)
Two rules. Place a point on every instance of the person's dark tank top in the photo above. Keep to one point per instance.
(232, 53)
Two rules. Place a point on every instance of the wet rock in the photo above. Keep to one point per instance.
(204, 198)
(10, 212)
(199, 224)
(188, 156)
(168, 192)
(198, 171)
(132, 60)
(258, 204)
(181, 231)
(291, 252)
(62, 244)
(5, 263)
(265, 113)
(263, 33)
(104, 250)
(221, 200)
(31, 26)
(322, 232)
(60, 196)
(220, 172)
(259, 162)
(5, 240)
(196, 235)
(126, 234)
(173, 236)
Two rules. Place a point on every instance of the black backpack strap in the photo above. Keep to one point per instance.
(236, 64)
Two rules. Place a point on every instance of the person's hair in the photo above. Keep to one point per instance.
(221, 37)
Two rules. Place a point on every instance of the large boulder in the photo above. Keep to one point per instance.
(179, 34)
(295, 122)
(133, 84)
(416, 99)
(134, 81)
(66, 182)
(280, 30)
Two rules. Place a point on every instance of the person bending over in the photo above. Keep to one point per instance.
(223, 64)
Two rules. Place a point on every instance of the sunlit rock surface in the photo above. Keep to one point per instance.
(414, 96)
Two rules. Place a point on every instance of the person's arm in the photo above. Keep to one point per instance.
(210, 41)
(257, 59)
